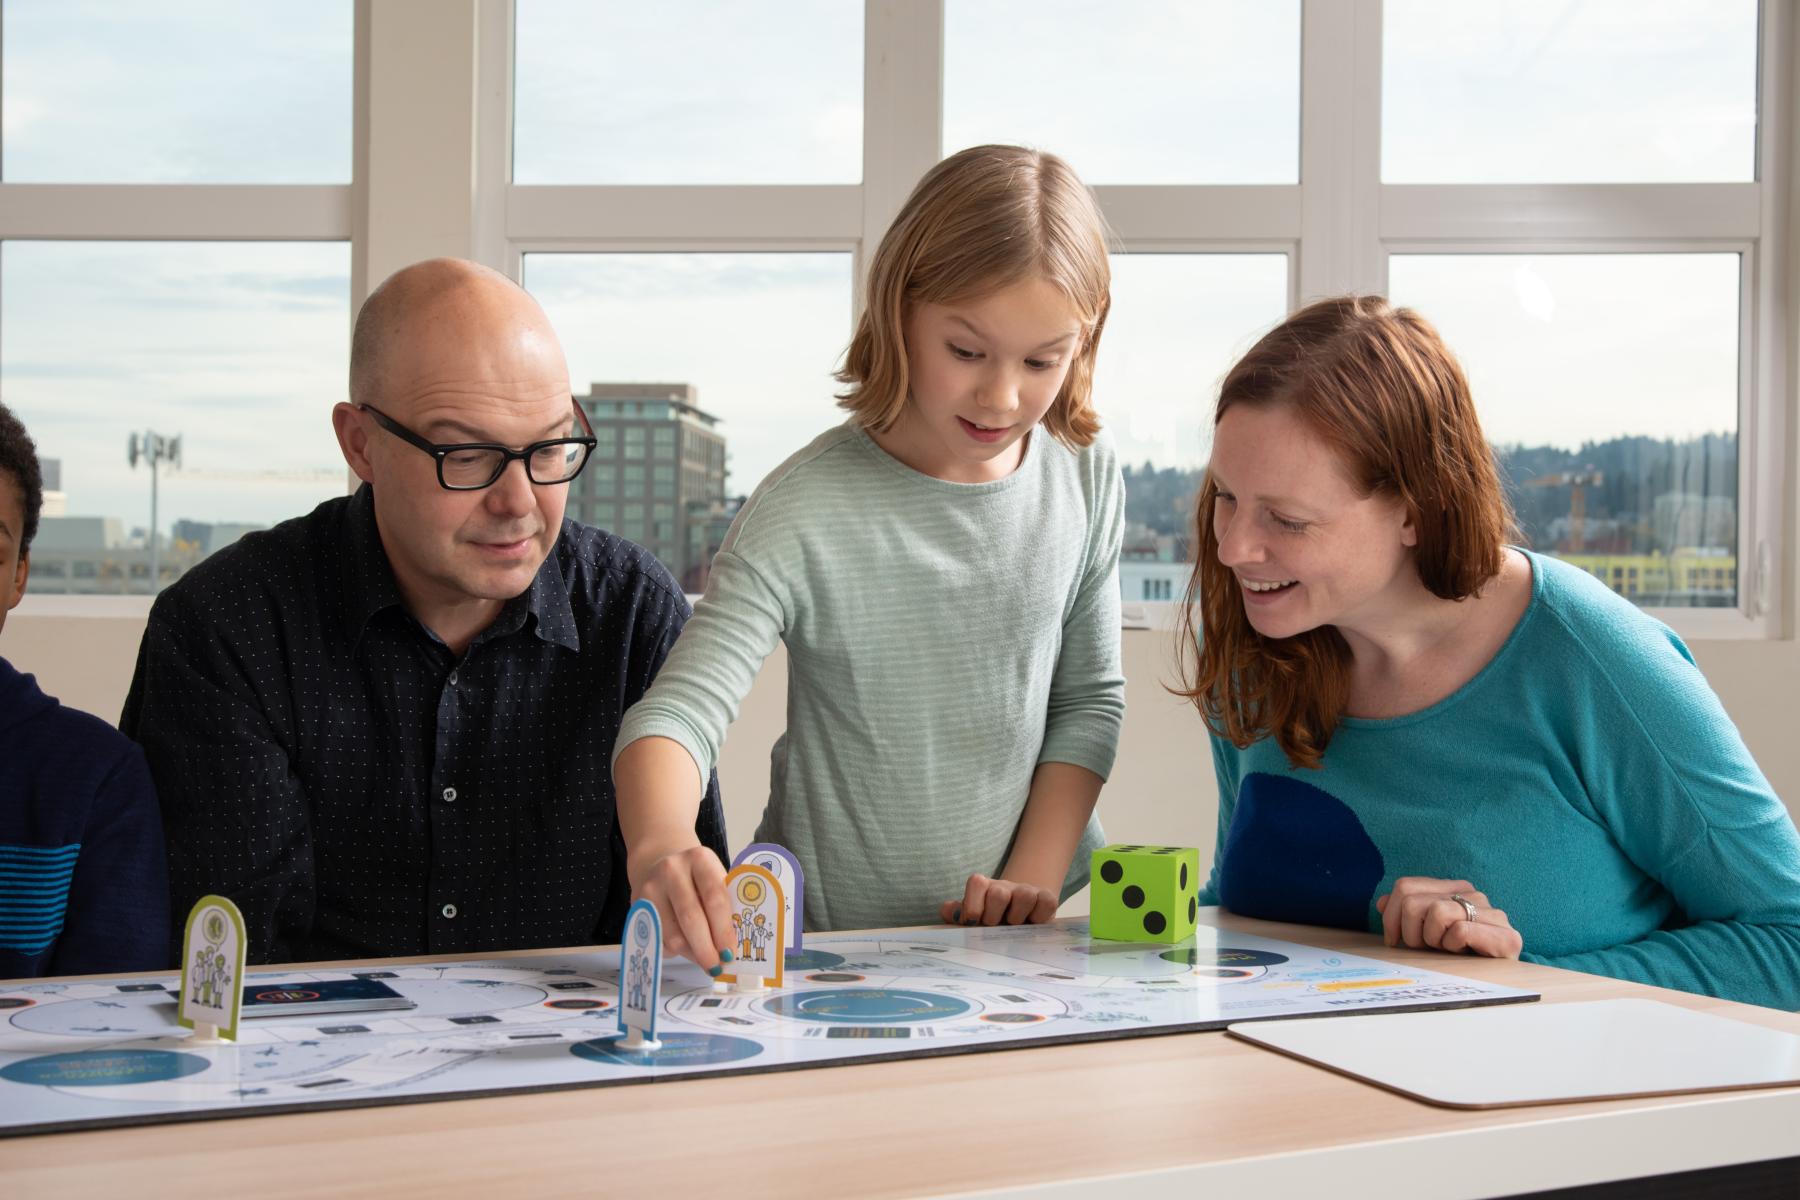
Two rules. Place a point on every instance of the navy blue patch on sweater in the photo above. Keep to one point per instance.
(34, 894)
(1297, 853)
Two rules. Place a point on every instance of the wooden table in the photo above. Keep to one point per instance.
(1158, 1114)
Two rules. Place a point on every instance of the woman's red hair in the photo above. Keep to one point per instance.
(1381, 388)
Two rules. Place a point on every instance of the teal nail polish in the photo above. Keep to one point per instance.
(715, 972)
(724, 956)
(956, 915)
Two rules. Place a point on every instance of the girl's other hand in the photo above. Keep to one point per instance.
(1000, 902)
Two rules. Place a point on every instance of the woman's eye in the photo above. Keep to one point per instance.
(1290, 526)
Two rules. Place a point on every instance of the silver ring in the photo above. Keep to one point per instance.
(1468, 906)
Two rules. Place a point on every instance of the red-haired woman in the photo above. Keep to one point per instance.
(1422, 730)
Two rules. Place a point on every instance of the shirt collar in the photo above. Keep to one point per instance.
(370, 587)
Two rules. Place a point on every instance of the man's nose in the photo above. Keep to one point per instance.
(511, 494)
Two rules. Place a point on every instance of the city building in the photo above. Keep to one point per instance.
(657, 475)
(94, 556)
(1700, 577)
(56, 503)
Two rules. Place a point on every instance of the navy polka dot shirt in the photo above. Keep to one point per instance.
(328, 763)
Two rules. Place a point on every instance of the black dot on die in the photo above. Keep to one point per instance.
(1193, 909)
(1183, 877)
(1155, 922)
(1111, 871)
(1133, 896)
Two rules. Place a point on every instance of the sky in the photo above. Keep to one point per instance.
(241, 347)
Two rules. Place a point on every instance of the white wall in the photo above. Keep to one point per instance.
(1161, 790)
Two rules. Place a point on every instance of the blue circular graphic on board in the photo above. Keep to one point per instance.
(811, 960)
(103, 1068)
(1221, 956)
(641, 931)
(867, 1006)
(678, 1050)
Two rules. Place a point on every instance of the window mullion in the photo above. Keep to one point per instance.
(903, 109)
(1340, 149)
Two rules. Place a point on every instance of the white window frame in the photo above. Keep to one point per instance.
(433, 151)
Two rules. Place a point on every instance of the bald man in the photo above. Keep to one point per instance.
(384, 728)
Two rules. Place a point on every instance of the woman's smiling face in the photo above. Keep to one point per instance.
(1307, 548)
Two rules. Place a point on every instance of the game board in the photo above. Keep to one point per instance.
(81, 1055)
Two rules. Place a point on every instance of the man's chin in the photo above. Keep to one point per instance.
(489, 580)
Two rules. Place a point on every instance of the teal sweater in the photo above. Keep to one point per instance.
(1587, 780)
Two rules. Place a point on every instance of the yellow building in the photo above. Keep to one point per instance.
(1687, 576)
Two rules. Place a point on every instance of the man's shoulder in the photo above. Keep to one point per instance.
(269, 568)
(603, 571)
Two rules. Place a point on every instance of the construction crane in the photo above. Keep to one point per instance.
(1575, 481)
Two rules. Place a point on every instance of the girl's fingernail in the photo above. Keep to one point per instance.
(956, 913)
(724, 956)
(715, 972)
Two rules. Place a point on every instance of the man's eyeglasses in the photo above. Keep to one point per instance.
(471, 466)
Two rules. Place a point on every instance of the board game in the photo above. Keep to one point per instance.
(87, 1054)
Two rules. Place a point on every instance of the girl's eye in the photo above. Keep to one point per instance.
(959, 352)
(1040, 364)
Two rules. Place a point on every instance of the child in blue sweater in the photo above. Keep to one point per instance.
(1420, 730)
(83, 881)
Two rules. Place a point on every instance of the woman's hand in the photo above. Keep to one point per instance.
(1000, 902)
(1446, 914)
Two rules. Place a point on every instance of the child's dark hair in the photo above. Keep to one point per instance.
(18, 459)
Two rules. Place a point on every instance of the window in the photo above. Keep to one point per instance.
(1550, 343)
(228, 347)
(98, 92)
(1177, 324)
(1178, 91)
(693, 194)
(755, 336)
(139, 297)
(709, 91)
(1544, 91)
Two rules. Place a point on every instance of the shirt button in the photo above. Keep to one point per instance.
(449, 911)
(449, 794)
(453, 679)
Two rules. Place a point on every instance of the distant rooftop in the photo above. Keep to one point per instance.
(681, 399)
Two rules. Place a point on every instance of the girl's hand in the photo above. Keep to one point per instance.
(687, 886)
(1433, 914)
(1000, 901)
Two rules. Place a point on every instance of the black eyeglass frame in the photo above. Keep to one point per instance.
(439, 451)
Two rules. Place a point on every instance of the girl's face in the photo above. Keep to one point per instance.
(1306, 548)
(983, 373)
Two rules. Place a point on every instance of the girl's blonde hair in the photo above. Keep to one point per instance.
(983, 220)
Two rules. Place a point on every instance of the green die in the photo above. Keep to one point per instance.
(1144, 893)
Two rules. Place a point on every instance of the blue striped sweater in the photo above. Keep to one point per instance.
(83, 879)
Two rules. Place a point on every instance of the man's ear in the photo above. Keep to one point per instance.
(353, 439)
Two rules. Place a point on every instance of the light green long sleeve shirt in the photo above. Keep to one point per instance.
(943, 640)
